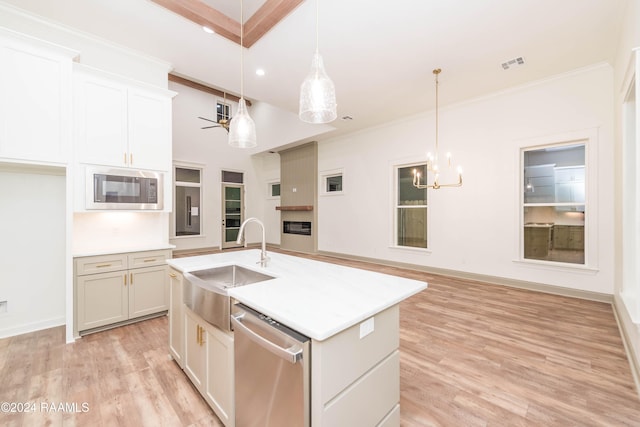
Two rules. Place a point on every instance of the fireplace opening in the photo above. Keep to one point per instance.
(297, 227)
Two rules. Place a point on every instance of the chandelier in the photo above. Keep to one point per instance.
(432, 161)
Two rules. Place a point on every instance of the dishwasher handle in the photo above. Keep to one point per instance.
(290, 354)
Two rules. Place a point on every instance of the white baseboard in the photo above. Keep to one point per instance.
(32, 327)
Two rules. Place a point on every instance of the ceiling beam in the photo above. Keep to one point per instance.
(205, 16)
(204, 88)
(266, 17)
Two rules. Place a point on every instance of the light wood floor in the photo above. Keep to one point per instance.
(472, 354)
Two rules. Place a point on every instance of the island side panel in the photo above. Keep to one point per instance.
(355, 374)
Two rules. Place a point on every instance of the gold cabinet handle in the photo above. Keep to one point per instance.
(198, 334)
(131, 279)
(124, 158)
(172, 275)
(103, 265)
(131, 158)
(201, 335)
(149, 260)
(125, 279)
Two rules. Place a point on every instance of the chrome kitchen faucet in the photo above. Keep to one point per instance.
(264, 259)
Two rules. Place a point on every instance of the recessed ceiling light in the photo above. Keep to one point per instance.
(260, 72)
(207, 30)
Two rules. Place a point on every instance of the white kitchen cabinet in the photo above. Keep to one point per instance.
(570, 184)
(194, 349)
(117, 288)
(176, 317)
(220, 375)
(35, 105)
(208, 362)
(121, 123)
(355, 374)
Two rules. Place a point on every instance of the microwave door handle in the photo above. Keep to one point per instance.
(284, 353)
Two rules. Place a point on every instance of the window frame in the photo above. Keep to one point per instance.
(270, 185)
(396, 206)
(193, 166)
(324, 176)
(588, 137)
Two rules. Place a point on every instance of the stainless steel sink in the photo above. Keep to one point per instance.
(205, 291)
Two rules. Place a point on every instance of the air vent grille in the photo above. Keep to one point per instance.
(513, 62)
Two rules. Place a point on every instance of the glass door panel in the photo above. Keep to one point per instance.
(232, 213)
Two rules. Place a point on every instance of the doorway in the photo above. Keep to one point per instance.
(232, 208)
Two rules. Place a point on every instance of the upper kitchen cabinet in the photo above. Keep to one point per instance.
(121, 123)
(35, 105)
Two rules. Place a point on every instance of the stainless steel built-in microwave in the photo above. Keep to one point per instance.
(124, 189)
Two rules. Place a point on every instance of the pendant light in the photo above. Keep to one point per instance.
(242, 129)
(317, 93)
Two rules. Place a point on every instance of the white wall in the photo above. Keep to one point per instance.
(630, 39)
(475, 228)
(32, 254)
(208, 148)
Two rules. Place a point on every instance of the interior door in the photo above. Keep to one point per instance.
(187, 211)
(232, 213)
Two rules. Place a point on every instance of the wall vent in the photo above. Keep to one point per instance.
(513, 62)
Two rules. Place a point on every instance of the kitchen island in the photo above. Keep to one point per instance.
(350, 315)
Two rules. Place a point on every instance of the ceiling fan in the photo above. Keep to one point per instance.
(223, 122)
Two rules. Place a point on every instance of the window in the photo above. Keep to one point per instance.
(187, 201)
(233, 177)
(411, 208)
(554, 205)
(274, 190)
(223, 111)
(331, 182)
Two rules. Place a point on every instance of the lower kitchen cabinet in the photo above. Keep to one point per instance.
(568, 237)
(116, 288)
(537, 242)
(176, 317)
(208, 362)
(355, 374)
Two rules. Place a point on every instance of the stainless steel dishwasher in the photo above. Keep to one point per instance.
(271, 372)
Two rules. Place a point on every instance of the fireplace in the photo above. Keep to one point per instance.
(297, 227)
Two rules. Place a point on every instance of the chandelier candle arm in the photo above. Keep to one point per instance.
(432, 160)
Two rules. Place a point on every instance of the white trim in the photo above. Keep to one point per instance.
(588, 137)
(322, 190)
(270, 185)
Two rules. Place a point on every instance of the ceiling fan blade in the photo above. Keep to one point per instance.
(209, 120)
(209, 127)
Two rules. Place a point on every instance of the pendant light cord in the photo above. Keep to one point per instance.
(241, 50)
(317, 26)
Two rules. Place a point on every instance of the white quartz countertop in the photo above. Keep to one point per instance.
(315, 298)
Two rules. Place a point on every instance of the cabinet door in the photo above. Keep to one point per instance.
(148, 291)
(220, 375)
(194, 350)
(102, 299)
(35, 104)
(176, 317)
(100, 120)
(149, 130)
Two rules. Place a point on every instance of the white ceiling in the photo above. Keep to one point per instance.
(380, 54)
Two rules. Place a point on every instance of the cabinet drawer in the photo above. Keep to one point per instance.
(100, 264)
(347, 356)
(148, 259)
(369, 400)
